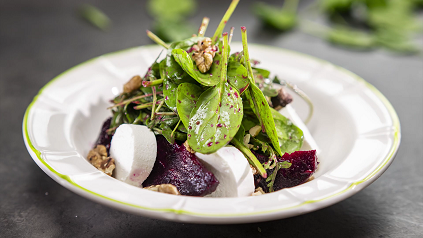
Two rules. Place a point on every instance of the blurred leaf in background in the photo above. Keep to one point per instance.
(283, 18)
(170, 18)
(94, 16)
(363, 24)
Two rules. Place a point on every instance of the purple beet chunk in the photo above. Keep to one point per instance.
(304, 164)
(181, 168)
(104, 138)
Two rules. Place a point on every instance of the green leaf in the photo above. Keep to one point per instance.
(279, 18)
(240, 134)
(210, 78)
(187, 96)
(238, 76)
(350, 37)
(215, 119)
(261, 108)
(171, 9)
(290, 136)
(217, 115)
(172, 74)
(263, 72)
(95, 16)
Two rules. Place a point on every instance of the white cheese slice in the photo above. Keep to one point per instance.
(309, 143)
(134, 149)
(233, 171)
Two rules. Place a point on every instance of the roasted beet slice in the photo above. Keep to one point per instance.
(304, 164)
(177, 166)
(104, 138)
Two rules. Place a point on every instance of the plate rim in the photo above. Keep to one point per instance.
(352, 189)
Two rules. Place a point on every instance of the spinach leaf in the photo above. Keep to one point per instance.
(210, 78)
(171, 9)
(282, 19)
(217, 115)
(238, 76)
(187, 96)
(258, 101)
(290, 136)
(95, 16)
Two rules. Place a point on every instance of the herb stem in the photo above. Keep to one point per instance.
(174, 129)
(153, 109)
(146, 105)
(152, 83)
(160, 106)
(250, 157)
(131, 100)
(231, 33)
(203, 27)
(224, 20)
(306, 98)
(165, 113)
(157, 39)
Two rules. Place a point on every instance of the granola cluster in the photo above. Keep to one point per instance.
(204, 53)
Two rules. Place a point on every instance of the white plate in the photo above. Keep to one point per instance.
(354, 125)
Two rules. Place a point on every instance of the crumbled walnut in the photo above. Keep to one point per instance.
(164, 188)
(259, 191)
(281, 100)
(133, 84)
(255, 130)
(98, 157)
(188, 147)
(204, 53)
(253, 169)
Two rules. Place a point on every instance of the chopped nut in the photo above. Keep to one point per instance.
(164, 188)
(188, 147)
(247, 139)
(281, 100)
(133, 84)
(259, 191)
(255, 130)
(253, 169)
(204, 53)
(98, 157)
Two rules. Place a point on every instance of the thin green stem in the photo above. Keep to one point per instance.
(306, 98)
(157, 39)
(231, 33)
(165, 113)
(131, 100)
(160, 106)
(174, 129)
(224, 20)
(153, 110)
(146, 105)
(146, 84)
(250, 157)
(203, 27)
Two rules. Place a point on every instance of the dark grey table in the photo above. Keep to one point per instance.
(40, 39)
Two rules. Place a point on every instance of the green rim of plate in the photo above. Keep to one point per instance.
(386, 161)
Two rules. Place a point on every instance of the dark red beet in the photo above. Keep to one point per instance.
(304, 164)
(175, 165)
(104, 138)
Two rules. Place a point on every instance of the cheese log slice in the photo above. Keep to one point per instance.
(309, 143)
(134, 149)
(233, 171)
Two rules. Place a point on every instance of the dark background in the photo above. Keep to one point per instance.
(41, 39)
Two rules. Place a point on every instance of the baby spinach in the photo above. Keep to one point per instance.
(238, 76)
(258, 101)
(290, 136)
(217, 115)
(283, 18)
(187, 96)
(210, 78)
